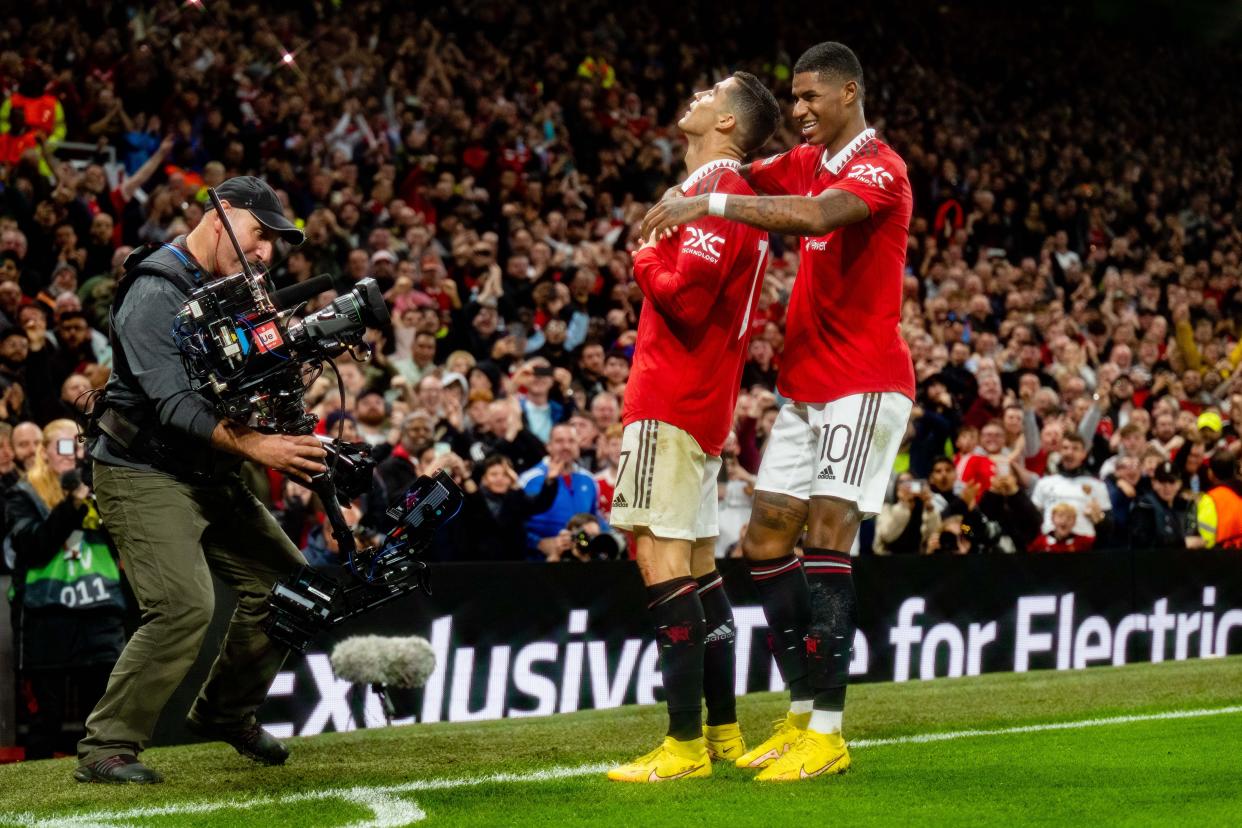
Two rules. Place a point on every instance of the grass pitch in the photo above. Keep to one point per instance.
(1168, 751)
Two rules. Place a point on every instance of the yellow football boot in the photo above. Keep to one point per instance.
(782, 739)
(814, 754)
(724, 742)
(671, 760)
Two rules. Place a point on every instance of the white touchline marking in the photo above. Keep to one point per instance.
(389, 811)
(1039, 728)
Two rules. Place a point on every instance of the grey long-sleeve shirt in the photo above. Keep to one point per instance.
(144, 328)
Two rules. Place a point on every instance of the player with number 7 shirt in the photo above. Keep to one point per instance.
(848, 375)
(700, 287)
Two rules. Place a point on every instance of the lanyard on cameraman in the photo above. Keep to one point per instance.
(194, 269)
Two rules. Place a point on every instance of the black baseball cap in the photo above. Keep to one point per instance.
(249, 193)
(1165, 473)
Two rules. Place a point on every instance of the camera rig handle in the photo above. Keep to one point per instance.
(324, 486)
(349, 474)
(309, 601)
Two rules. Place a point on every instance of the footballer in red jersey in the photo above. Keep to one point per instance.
(849, 378)
(700, 289)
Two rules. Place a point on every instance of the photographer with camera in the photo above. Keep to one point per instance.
(586, 540)
(168, 491)
(67, 591)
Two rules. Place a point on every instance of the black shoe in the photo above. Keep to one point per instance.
(118, 769)
(250, 740)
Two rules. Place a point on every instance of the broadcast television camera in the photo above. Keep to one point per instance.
(237, 347)
(255, 362)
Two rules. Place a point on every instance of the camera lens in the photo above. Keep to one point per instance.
(347, 318)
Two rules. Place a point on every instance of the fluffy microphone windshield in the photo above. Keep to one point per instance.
(377, 659)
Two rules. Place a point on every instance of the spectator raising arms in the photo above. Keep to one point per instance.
(492, 524)
(576, 493)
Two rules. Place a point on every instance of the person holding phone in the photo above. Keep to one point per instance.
(67, 592)
(905, 525)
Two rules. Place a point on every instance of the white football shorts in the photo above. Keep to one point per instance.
(666, 483)
(843, 449)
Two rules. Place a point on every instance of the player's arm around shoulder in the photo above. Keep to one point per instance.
(815, 215)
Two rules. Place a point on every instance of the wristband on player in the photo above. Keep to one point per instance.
(716, 204)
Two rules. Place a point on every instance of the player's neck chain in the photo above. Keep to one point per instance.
(707, 169)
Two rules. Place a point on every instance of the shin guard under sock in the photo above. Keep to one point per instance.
(678, 618)
(782, 588)
(719, 665)
(833, 618)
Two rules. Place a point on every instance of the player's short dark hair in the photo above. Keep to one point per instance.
(756, 110)
(832, 61)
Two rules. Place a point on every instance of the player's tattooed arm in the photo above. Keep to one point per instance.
(796, 215)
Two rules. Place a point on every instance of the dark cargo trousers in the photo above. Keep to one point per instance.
(172, 536)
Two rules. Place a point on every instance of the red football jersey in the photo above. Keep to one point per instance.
(1049, 543)
(701, 289)
(842, 334)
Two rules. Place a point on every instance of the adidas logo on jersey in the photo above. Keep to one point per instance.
(619, 500)
(722, 633)
(827, 474)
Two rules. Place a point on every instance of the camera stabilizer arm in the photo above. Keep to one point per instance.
(304, 604)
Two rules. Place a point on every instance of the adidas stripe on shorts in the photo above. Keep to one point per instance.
(843, 449)
(666, 483)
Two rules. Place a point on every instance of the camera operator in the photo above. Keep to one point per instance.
(67, 590)
(585, 540)
(168, 491)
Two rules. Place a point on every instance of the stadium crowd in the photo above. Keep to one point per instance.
(1070, 300)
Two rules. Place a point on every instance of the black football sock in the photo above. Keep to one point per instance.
(833, 618)
(678, 618)
(786, 599)
(718, 661)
